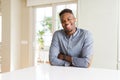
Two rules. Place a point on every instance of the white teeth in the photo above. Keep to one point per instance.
(68, 25)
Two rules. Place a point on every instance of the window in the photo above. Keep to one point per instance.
(46, 22)
(43, 30)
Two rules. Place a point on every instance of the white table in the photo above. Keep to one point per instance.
(47, 72)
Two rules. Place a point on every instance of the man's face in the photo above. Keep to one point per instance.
(68, 22)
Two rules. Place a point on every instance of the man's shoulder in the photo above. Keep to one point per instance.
(83, 30)
(58, 31)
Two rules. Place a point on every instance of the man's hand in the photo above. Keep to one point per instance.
(62, 56)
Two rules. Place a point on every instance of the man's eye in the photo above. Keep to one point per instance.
(69, 19)
(63, 21)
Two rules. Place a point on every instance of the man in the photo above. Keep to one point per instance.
(71, 46)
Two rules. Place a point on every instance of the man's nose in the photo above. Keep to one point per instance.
(66, 22)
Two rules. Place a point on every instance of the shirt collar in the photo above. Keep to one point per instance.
(73, 34)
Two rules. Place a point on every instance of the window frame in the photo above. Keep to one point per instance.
(54, 6)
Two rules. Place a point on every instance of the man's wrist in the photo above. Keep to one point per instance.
(64, 57)
(68, 58)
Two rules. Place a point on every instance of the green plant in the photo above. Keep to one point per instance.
(47, 25)
(40, 38)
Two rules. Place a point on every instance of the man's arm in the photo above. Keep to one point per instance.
(69, 59)
(54, 51)
(86, 54)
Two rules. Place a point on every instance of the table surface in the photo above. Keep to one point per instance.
(48, 72)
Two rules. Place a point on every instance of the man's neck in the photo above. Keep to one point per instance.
(71, 32)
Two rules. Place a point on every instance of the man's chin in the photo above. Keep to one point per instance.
(68, 31)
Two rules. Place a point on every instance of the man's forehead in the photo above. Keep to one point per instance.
(67, 15)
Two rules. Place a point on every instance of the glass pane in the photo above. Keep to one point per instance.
(43, 32)
(73, 7)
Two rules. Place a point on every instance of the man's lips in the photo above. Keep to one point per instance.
(68, 26)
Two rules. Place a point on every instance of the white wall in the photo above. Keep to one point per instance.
(101, 18)
(15, 20)
(15, 35)
(119, 36)
(25, 34)
(5, 35)
(11, 16)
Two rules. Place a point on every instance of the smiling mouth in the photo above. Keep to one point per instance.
(68, 26)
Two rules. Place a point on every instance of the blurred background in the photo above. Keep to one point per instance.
(27, 26)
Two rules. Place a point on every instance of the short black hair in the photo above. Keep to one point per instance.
(65, 11)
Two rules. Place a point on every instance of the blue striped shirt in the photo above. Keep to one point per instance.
(79, 46)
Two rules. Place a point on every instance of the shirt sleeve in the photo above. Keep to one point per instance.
(87, 52)
(54, 51)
